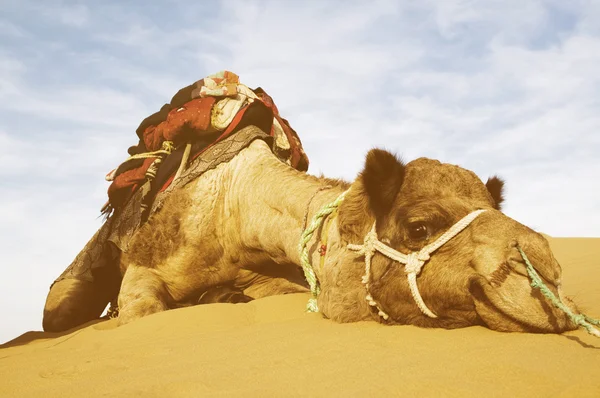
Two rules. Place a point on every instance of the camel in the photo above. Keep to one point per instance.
(233, 235)
(239, 222)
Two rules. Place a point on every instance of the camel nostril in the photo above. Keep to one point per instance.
(500, 275)
(541, 259)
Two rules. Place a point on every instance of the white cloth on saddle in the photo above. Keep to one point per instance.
(225, 109)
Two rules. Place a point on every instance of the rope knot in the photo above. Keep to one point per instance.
(414, 263)
(368, 248)
(578, 319)
(168, 146)
(370, 240)
(312, 305)
(423, 256)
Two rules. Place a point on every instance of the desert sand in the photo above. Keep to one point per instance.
(271, 347)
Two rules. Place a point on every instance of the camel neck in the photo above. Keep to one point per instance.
(274, 207)
(298, 207)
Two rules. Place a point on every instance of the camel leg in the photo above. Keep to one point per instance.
(142, 293)
(82, 291)
(72, 301)
(223, 294)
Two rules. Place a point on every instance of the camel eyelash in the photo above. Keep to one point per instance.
(434, 222)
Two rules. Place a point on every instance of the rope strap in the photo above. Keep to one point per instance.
(580, 320)
(306, 236)
(413, 261)
(184, 161)
(166, 149)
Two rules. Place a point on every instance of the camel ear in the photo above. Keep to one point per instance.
(382, 179)
(495, 186)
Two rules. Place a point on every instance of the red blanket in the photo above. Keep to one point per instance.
(182, 122)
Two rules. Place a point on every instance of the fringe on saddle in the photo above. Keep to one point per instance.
(198, 116)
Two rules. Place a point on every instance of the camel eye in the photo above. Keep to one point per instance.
(418, 231)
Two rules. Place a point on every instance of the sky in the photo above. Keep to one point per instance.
(508, 87)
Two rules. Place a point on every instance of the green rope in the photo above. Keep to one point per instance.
(306, 236)
(581, 320)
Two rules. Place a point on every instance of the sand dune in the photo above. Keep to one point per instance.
(270, 347)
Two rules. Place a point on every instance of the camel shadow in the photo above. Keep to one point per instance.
(582, 343)
(552, 320)
(29, 337)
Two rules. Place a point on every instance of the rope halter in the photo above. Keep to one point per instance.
(413, 261)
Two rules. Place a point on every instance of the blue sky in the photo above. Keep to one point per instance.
(500, 87)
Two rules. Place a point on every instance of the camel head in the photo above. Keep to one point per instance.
(477, 278)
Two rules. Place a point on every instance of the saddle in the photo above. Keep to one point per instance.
(204, 124)
(198, 116)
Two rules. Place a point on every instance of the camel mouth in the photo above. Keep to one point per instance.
(506, 309)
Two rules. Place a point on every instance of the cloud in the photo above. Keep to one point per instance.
(54, 12)
(74, 15)
(8, 29)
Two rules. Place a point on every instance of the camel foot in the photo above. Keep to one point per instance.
(142, 293)
(140, 308)
(224, 294)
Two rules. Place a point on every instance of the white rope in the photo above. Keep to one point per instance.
(413, 261)
(184, 161)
